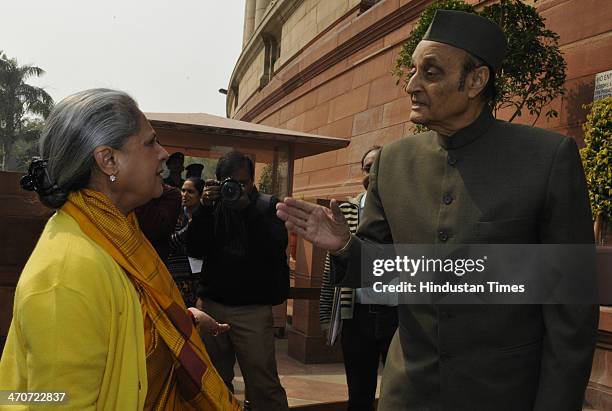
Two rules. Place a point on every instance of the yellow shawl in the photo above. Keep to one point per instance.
(198, 384)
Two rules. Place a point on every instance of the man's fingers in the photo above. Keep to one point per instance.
(298, 213)
(300, 204)
(291, 219)
(285, 212)
(296, 229)
(298, 208)
(335, 208)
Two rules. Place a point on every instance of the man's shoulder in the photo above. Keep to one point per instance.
(402, 150)
(533, 137)
(411, 142)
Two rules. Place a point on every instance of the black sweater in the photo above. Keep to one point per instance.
(260, 276)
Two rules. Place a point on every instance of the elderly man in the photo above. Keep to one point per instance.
(473, 180)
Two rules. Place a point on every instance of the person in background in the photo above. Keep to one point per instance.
(96, 313)
(157, 219)
(194, 170)
(369, 320)
(175, 167)
(178, 262)
(245, 272)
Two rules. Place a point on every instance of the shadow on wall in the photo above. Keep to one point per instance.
(580, 94)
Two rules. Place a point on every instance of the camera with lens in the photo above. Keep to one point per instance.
(230, 191)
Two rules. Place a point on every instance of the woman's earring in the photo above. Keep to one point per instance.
(112, 178)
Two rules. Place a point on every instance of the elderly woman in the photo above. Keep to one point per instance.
(96, 312)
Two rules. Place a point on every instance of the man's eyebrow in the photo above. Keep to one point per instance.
(431, 59)
(428, 59)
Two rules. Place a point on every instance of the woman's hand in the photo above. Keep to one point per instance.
(206, 323)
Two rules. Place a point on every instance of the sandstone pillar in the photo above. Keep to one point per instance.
(260, 10)
(249, 21)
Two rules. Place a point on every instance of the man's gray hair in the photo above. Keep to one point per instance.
(76, 126)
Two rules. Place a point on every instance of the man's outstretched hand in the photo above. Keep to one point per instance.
(324, 227)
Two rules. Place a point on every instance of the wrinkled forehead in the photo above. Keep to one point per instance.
(437, 53)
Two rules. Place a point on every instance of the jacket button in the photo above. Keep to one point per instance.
(442, 236)
(447, 199)
(451, 160)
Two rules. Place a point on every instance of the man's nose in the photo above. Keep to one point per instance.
(413, 85)
(163, 154)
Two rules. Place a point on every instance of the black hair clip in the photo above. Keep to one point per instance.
(38, 178)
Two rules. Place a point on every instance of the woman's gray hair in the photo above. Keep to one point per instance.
(76, 126)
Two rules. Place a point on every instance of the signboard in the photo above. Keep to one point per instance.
(603, 85)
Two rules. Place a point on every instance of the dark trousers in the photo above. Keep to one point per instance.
(365, 343)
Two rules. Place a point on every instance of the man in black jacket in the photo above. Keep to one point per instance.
(473, 180)
(245, 273)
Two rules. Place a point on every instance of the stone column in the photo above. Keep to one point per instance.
(260, 10)
(249, 21)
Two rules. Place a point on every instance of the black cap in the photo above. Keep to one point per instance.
(176, 156)
(194, 170)
(470, 32)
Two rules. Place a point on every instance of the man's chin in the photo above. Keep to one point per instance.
(417, 118)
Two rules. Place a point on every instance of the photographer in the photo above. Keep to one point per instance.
(245, 273)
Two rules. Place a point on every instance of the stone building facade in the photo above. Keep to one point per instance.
(323, 66)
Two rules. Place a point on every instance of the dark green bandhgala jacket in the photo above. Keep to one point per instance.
(490, 183)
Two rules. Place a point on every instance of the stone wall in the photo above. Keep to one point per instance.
(250, 81)
(307, 21)
(585, 28)
(22, 218)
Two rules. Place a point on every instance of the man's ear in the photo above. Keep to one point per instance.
(477, 80)
(105, 159)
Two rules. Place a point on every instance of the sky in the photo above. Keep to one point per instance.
(171, 56)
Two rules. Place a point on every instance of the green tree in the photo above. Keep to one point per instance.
(597, 161)
(273, 183)
(533, 71)
(26, 144)
(18, 100)
(209, 165)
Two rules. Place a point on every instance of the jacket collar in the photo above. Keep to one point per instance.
(468, 134)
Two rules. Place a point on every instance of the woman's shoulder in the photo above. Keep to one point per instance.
(66, 257)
